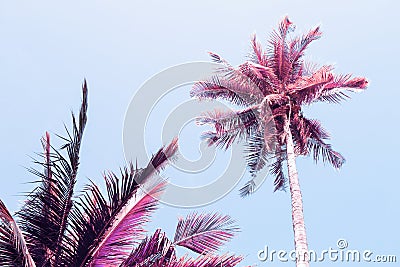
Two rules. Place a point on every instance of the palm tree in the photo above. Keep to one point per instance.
(271, 88)
(56, 227)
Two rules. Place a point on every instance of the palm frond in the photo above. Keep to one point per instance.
(13, 248)
(279, 51)
(264, 78)
(207, 260)
(276, 169)
(229, 126)
(43, 218)
(256, 152)
(239, 79)
(306, 90)
(248, 188)
(334, 92)
(156, 250)
(235, 91)
(105, 231)
(257, 55)
(297, 48)
(203, 233)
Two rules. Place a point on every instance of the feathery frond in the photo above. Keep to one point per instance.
(96, 229)
(107, 230)
(248, 188)
(203, 233)
(207, 260)
(13, 248)
(44, 217)
(229, 126)
(156, 250)
(286, 83)
(319, 149)
(257, 55)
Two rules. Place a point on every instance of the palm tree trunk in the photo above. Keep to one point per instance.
(299, 229)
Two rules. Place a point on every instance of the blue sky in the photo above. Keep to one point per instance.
(47, 48)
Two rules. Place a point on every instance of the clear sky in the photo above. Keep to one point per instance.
(48, 47)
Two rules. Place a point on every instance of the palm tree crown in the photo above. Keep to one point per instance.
(56, 227)
(271, 88)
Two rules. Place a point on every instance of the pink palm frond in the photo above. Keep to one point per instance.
(204, 232)
(319, 149)
(306, 90)
(126, 229)
(257, 55)
(229, 126)
(156, 250)
(107, 230)
(241, 94)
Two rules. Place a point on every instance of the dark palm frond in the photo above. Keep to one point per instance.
(256, 152)
(106, 230)
(156, 250)
(13, 248)
(203, 233)
(319, 148)
(43, 218)
(333, 97)
(306, 90)
(229, 126)
(276, 169)
(315, 129)
(10, 255)
(97, 229)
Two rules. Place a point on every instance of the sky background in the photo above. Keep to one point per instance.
(47, 48)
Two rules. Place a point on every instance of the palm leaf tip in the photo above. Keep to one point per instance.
(357, 83)
(204, 233)
(161, 158)
(247, 189)
(156, 250)
(158, 161)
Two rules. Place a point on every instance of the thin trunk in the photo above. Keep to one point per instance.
(299, 229)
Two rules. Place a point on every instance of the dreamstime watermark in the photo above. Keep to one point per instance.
(145, 101)
(341, 253)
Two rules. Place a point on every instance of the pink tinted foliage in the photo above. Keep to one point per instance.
(286, 83)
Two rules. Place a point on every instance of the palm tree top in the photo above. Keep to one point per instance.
(272, 87)
(57, 227)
